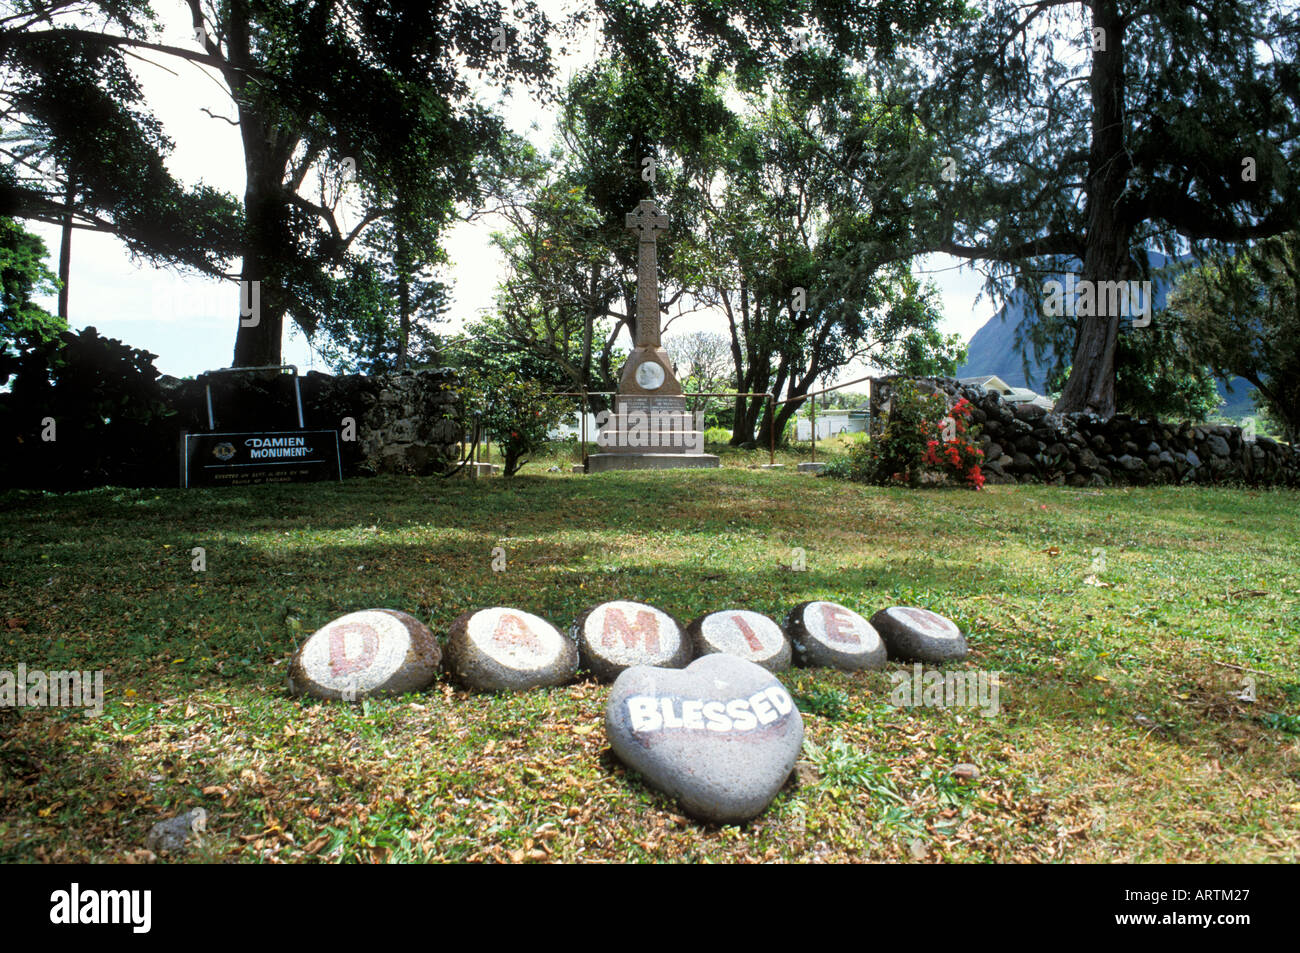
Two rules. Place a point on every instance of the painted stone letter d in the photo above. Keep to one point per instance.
(343, 664)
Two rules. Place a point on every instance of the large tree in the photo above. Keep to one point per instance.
(809, 265)
(1242, 315)
(312, 84)
(83, 152)
(571, 263)
(1094, 131)
(377, 82)
(645, 122)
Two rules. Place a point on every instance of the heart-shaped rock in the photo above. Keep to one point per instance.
(721, 735)
(503, 649)
(614, 636)
(919, 635)
(828, 634)
(744, 634)
(366, 654)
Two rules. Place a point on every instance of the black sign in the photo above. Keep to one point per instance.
(241, 459)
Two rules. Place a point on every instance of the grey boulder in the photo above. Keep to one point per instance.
(830, 635)
(614, 636)
(176, 832)
(509, 650)
(744, 634)
(721, 736)
(919, 635)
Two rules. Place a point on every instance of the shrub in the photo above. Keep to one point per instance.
(517, 413)
(717, 435)
(924, 442)
(109, 417)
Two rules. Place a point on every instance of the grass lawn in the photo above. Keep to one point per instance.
(1118, 735)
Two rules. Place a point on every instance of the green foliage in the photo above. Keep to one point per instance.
(920, 349)
(839, 765)
(107, 410)
(914, 449)
(1157, 376)
(717, 435)
(1242, 315)
(517, 413)
(841, 468)
(360, 329)
(509, 388)
(829, 703)
(23, 276)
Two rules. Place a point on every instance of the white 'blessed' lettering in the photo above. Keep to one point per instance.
(650, 713)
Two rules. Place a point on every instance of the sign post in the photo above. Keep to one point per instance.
(246, 458)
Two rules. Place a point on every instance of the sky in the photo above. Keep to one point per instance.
(189, 321)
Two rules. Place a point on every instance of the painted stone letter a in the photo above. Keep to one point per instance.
(343, 664)
(644, 631)
(511, 632)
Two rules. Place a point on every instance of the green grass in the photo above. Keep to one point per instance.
(1118, 735)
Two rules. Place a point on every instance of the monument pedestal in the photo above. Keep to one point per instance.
(600, 462)
(650, 432)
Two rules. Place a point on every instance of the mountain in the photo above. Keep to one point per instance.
(992, 350)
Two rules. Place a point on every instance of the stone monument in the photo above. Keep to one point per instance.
(649, 428)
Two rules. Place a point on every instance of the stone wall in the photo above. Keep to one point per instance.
(1024, 443)
(404, 423)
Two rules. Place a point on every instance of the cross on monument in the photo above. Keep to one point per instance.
(648, 222)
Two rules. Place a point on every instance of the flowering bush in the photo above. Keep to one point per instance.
(923, 442)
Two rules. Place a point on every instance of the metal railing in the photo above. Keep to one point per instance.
(297, 387)
(813, 412)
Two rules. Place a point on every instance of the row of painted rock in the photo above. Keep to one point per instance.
(382, 651)
(720, 734)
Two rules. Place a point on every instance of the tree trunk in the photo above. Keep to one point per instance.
(266, 158)
(1091, 385)
(403, 295)
(744, 414)
(589, 324)
(778, 419)
(65, 245)
(258, 340)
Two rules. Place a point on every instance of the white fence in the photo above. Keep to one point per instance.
(829, 423)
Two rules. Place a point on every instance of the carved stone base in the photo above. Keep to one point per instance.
(599, 462)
